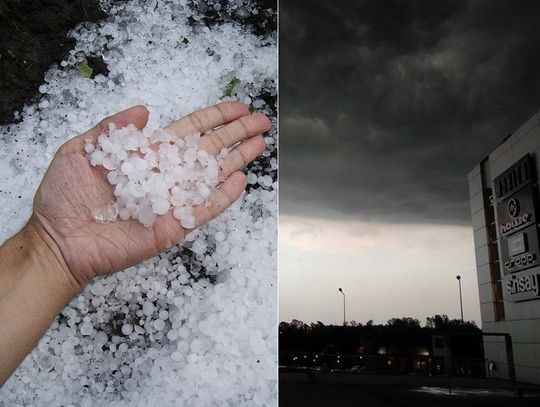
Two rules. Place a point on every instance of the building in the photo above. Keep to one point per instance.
(504, 200)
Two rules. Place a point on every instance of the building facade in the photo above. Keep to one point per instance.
(505, 211)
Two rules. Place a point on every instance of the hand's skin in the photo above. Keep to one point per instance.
(71, 187)
(62, 247)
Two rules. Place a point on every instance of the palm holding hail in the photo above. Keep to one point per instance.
(71, 187)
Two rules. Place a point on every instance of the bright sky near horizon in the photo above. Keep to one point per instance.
(386, 270)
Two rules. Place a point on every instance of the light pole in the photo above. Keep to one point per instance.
(341, 291)
(460, 297)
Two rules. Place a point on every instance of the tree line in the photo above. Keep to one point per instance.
(398, 336)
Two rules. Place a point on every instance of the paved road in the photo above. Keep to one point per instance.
(314, 390)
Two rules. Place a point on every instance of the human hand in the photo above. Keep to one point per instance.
(71, 187)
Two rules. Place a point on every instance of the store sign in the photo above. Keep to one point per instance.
(517, 212)
(523, 286)
(514, 178)
(518, 231)
(520, 250)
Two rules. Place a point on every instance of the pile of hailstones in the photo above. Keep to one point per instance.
(153, 171)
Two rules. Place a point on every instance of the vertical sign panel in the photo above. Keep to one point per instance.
(518, 231)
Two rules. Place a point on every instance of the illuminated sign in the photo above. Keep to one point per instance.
(520, 250)
(516, 213)
(518, 231)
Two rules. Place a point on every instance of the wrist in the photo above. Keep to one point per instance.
(13, 261)
(34, 298)
(40, 255)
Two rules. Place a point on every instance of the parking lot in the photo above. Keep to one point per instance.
(342, 390)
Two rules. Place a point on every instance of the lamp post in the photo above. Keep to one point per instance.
(341, 291)
(460, 297)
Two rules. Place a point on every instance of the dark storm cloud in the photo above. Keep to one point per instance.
(386, 105)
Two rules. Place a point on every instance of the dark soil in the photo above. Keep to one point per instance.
(33, 36)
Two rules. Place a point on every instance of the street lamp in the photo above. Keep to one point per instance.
(460, 297)
(341, 291)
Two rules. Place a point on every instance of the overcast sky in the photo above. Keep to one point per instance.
(385, 106)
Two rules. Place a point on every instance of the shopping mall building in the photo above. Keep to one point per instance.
(505, 206)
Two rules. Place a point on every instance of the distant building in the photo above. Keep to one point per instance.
(504, 200)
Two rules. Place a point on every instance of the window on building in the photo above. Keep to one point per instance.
(493, 251)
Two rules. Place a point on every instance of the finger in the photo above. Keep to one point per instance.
(136, 115)
(206, 119)
(238, 130)
(224, 197)
(242, 155)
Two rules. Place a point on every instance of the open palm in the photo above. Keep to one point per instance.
(71, 188)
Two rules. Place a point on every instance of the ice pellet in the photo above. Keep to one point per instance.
(127, 329)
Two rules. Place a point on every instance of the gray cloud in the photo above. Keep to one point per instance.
(386, 105)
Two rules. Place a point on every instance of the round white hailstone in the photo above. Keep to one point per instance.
(182, 279)
(148, 308)
(126, 370)
(130, 384)
(146, 216)
(182, 347)
(159, 324)
(172, 335)
(86, 329)
(127, 168)
(97, 157)
(112, 177)
(196, 345)
(123, 347)
(160, 206)
(124, 214)
(177, 356)
(96, 288)
(163, 314)
(204, 191)
(223, 248)
(266, 180)
(152, 353)
(159, 189)
(258, 103)
(127, 329)
(89, 148)
(198, 247)
(100, 338)
(188, 221)
(190, 156)
(96, 301)
(67, 347)
(183, 332)
(219, 236)
(181, 212)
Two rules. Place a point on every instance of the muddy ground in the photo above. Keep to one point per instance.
(33, 36)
